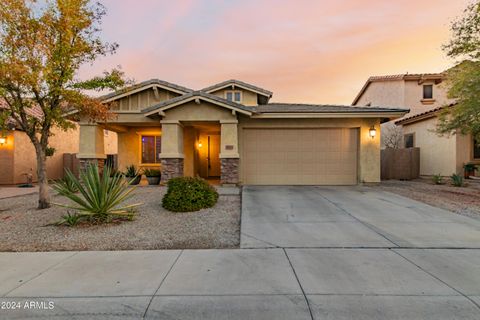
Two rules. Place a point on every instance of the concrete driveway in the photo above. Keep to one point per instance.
(348, 217)
(318, 253)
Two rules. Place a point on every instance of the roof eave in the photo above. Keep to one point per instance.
(148, 84)
(386, 114)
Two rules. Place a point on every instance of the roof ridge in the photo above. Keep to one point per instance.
(238, 82)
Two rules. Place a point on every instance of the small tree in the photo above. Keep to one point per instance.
(392, 136)
(463, 80)
(42, 46)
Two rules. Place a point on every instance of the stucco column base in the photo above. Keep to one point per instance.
(84, 162)
(229, 171)
(171, 168)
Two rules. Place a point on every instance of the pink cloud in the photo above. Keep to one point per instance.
(304, 51)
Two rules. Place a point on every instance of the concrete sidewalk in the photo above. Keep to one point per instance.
(244, 284)
(8, 192)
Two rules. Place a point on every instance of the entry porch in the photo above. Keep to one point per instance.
(176, 148)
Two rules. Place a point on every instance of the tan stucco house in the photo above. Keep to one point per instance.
(18, 158)
(230, 131)
(425, 95)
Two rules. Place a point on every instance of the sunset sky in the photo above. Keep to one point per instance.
(304, 51)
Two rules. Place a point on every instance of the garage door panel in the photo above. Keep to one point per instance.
(326, 156)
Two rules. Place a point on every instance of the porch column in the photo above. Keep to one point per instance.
(171, 155)
(91, 149)
(229, 157)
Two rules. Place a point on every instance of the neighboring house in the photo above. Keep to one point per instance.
(18, 158)
(230, 131)
(425, 95)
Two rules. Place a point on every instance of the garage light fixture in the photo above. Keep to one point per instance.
(372, 132)
(3, 140)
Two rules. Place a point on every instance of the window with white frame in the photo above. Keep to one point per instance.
(150, 147)
(234, 95)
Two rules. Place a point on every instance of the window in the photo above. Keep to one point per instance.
(409, 140)
(428, 91)
(476, 149)
(235, 96)
(151, 146)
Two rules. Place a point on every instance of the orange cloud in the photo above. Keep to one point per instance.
(304, 51)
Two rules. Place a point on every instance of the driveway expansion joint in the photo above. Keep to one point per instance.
(299, 284)
(161, 282)
(367, 225)
(41, 273)
(438, 279)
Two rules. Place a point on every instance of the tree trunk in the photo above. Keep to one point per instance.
(43, 194)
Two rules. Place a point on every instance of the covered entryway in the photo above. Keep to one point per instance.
(201, 142)
(314, 156)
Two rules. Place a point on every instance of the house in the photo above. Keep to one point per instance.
(425, 95)
(230, 131)
(18, 157)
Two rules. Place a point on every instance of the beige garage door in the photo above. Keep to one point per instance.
(300, 156)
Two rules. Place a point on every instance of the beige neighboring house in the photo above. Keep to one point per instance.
(18, 158)
(230, 131)
(425, 95)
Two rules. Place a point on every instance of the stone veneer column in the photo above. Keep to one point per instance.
(229, 170)
(172, 150)
(171, 168)
(91, 149)
(99, 162)
(229, 157)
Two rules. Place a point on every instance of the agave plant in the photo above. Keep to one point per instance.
(101, 196)
(67, 183)
(457, 180)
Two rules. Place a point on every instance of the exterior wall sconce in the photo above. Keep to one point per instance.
(372, 132)
(199, 144)
(3, 140)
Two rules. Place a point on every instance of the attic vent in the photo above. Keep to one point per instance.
(155, 93)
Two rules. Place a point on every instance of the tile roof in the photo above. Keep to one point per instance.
(35, 111)
(419, 116)
(239, 83)
(397, 77)
(145, 84)
(197, 94)
(320, 108)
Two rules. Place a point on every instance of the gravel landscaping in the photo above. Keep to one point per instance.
(22, 227)
(461, 200)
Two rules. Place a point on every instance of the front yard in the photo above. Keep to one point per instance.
(22, 227)
(461, 200)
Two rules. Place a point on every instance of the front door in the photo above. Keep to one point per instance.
(213, 160)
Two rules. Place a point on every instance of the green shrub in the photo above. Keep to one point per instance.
(437, 179)
(101, 197)
(186, 194)
(152, 172)
(457, 180)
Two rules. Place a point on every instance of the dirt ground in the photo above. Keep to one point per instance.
(461, 200)
(22, 226)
